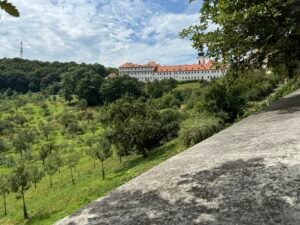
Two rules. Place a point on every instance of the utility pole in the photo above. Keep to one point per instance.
(21, 49)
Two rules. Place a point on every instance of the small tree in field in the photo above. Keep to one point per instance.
(121, 151)
(72, 161)
(51, 168)
(89, 116)
(44, 152)
(90, 141)
(21, 181)
(82, 105)
(36, 173)
(4, 190)
(45, 129)
(20, 145)
(102, 151)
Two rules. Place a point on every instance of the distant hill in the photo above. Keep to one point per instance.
(24, 75)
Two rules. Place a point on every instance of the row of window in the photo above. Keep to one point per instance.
(182, 78)
(135, 69)
(172, 73)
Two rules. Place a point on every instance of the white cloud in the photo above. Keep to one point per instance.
(110, 32)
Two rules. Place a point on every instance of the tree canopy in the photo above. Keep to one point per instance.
(249, 33)
(9, 8)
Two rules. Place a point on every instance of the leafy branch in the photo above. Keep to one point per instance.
(9, 8)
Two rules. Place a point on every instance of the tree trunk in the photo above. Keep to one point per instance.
(4, 204)
(73, 181)
(34, 184)
(50, 180)
(103, 173)
(24, 206)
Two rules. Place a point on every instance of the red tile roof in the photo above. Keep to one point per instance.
(192, 67)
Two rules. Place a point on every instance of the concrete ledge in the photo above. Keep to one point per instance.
(248, 174)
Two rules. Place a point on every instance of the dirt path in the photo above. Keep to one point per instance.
(248, 174)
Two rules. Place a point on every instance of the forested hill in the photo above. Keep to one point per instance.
(23, 75)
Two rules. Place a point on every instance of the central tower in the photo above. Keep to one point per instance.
(201, 56)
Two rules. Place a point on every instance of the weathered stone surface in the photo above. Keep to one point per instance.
(248, 174)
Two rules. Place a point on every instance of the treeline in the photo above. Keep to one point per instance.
(23, 75)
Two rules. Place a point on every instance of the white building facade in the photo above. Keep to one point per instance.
(204, 70)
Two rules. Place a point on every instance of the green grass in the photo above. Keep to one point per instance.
(47, 205)
(192, 85)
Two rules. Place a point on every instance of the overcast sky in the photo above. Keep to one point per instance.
(109, 32)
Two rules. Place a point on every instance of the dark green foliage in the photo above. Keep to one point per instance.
(157, 88)
(84, 83)
(30, 75)
(250, 34)
(9, 8)
(228, 96)
(114, 89)
(139, 126)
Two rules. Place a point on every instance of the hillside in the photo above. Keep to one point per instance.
(246, 174)
(58, 143)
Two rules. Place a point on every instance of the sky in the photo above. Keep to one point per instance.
(109, 32)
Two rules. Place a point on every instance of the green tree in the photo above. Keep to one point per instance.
(9, 8)
(114, 89)
(72, 161)
(3, 145)
(46, 129)
(20, 144)
(20, 119)
(21, 181)
(4, 190)
(89, 116)
(249, 34)
(84, 83)
(82, 105)
(51, 167)
(36, 173)
(66, 118)
(102, 151)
